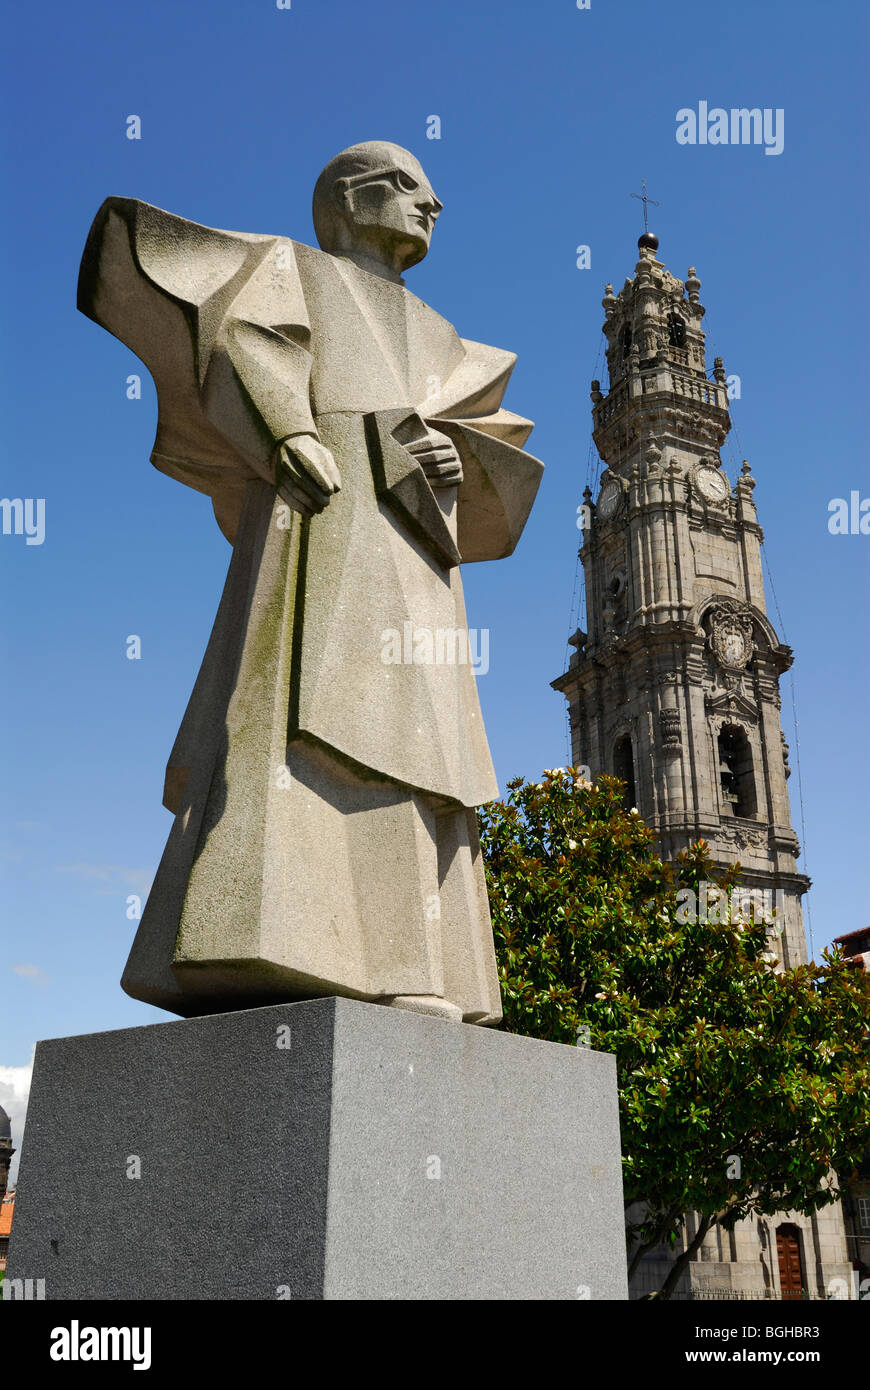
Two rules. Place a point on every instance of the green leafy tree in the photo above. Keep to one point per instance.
(741, 1086)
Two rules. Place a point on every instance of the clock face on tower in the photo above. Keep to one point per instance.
(608, 502)
(711, 483)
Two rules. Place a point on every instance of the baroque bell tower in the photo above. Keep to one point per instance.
(675, 687)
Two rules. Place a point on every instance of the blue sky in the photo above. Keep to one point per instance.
(550, 118)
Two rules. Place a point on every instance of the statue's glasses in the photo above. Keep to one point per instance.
(401, 180)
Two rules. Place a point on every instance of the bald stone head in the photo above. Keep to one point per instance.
(374, 204)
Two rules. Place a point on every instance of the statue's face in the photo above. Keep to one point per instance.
(391, 211)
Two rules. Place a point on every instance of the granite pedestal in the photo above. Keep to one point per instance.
(328, 1149)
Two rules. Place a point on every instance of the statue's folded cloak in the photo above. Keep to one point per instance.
(251, 339)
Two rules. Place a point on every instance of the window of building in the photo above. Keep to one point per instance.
(625, 340)
(736, 775)
(864, 1215)
(623, 768)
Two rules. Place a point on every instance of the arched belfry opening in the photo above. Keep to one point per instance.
(736, 772)
(623, 768)
(676, 331)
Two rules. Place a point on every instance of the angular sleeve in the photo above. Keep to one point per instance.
(500, 480)
(219, 319)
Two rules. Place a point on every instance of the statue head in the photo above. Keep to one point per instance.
(374, 204)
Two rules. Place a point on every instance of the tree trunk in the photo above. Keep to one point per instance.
(683, 1259)
(636, 1257)
(650, 1244)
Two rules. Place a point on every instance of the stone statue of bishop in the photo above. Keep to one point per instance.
(323, 781)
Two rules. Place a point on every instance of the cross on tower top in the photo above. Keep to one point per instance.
(642, 197)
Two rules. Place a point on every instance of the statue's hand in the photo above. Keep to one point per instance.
(437, 456)
(306, 474)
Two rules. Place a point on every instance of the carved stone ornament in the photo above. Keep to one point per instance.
(669, 728)
(725, 705)
(743, 838)
(653, 461)
(731, 638)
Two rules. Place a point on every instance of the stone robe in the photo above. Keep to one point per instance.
(325, 839)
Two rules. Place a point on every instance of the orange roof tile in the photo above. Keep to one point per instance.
(6, 1209)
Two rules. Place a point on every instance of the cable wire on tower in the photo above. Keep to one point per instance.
(577, 614)
(797, 745)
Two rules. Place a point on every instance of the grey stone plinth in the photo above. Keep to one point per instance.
(325, 1149)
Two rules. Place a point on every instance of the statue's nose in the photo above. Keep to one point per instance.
(429, 205)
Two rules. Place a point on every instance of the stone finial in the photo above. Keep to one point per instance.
(653, 458)
(719, 371)
(608, 303)
(595, 393)
(693, 285)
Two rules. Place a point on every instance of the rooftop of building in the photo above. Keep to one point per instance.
(7, 1209)
(853, 938)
